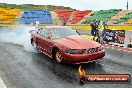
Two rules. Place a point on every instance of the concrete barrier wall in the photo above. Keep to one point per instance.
(78, 27)
(87, 27)
(128, 38)
(7, 26)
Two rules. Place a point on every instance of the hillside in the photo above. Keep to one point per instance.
(34, 7)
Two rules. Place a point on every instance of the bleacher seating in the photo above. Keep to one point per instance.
(64, 15)
(78, 15)
(8, 15)
(128, 22)
(30, 16)
(123, 19)
(102, 15)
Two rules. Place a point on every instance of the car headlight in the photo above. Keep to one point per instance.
(74, 51)
(101, 48)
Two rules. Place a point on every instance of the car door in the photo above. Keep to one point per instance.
(44, 41)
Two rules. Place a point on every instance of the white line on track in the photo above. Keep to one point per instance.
(2, 85)
(120, 49)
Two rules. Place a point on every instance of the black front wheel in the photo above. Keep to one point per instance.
(58, 56)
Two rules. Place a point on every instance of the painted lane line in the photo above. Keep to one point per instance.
(118, 49)
(2, 85)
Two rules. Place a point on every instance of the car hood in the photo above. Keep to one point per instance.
(77, 42)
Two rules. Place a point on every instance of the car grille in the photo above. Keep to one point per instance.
(92, 50)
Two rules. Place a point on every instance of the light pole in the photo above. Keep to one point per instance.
(127, 5)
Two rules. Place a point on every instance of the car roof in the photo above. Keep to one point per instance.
(55, 27)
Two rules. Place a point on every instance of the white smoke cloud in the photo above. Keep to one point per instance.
(19, 35)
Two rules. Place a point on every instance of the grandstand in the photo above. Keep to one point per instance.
(30, 16)
(55, 18)
(78, 15)
(64, 15)
(70, 17)
(7, 16)
(125, 18)
(129, 22)
(103, 15)
(117, 16)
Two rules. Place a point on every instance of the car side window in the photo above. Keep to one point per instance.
(44, 33)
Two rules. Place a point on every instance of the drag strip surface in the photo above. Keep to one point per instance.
(21, 69)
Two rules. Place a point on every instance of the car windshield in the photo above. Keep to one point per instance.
(61, 32)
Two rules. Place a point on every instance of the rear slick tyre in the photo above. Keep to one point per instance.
(34, 45)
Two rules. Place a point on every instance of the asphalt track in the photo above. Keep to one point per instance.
(23, 69)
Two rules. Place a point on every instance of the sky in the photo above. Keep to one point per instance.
(77, 4)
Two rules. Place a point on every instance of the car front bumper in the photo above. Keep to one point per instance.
(83, 58)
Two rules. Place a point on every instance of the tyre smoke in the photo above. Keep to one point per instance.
(19, 35)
